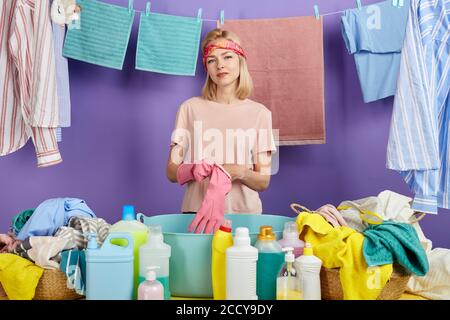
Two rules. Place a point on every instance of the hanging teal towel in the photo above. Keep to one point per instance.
(103, 35)
(168, 44)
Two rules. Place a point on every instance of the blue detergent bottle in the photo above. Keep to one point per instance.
(109, 269)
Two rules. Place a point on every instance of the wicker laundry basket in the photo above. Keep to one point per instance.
(51, 286)
(331, 287)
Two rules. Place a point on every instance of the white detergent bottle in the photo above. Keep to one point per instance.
(309, 267)
(291, 238)
(288, 282)
(151, 289)
(155, 253)
(241, 268)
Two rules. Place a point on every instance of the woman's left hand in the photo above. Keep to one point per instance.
(236, 171)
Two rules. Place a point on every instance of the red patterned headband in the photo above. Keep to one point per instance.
(226, 44)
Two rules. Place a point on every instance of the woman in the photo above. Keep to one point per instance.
(225, 127)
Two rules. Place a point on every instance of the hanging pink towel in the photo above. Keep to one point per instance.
(285, 60)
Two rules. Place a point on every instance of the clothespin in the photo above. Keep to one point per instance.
(130, 6)
(316, 11)
(222, 18)
(395, 3)
(358, 4)
(199, 14)
(401, 3)
(147, 8)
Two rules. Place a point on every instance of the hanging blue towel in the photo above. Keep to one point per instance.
(391, 242)
(103, 35)
(52, 214)
(168, 44)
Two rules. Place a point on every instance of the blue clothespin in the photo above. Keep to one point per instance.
(395, 3)
(316, 11)
(199, 14)
(147, 8)
(222, 17)
(130, 6)
(358, 4)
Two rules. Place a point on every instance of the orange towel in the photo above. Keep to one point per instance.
(285, 59)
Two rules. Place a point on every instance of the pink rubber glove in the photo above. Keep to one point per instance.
(332, 215)
(8, 243)
(194, 171)
(211, 213)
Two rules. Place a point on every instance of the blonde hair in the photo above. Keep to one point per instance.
(245, 83)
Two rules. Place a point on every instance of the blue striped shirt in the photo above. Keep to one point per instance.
(418, 144)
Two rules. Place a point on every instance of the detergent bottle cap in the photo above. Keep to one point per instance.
(226, 226)
(92, 240)
(242, 237)
(266, 233)
(155, 234)
(290, 230)
(151, 275)
(308, 250)
(128, 212)
(289, 256)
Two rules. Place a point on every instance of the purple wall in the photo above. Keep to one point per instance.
(117, 148)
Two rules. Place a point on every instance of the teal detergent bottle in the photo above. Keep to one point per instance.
(270, 260)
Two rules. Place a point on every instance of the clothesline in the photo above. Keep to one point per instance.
(215, 20)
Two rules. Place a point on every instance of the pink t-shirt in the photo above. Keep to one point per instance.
(227, 134)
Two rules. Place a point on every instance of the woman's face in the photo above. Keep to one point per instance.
(223, 67)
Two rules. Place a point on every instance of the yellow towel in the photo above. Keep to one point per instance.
(19, 276)
(341, 247)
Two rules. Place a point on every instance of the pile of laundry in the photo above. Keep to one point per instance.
(52, 236)
(376, 232)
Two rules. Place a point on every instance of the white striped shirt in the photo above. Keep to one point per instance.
(28, 96)
(419, 139)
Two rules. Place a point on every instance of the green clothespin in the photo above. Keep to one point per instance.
(199, 14)
(222, 17)
(358, 4)
(130, 6)
(316, 11)
(147, 8)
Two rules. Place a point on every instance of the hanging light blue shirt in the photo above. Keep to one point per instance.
(418, 144)
(374, 34)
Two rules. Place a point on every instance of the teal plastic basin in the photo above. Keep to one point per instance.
(190, 261)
